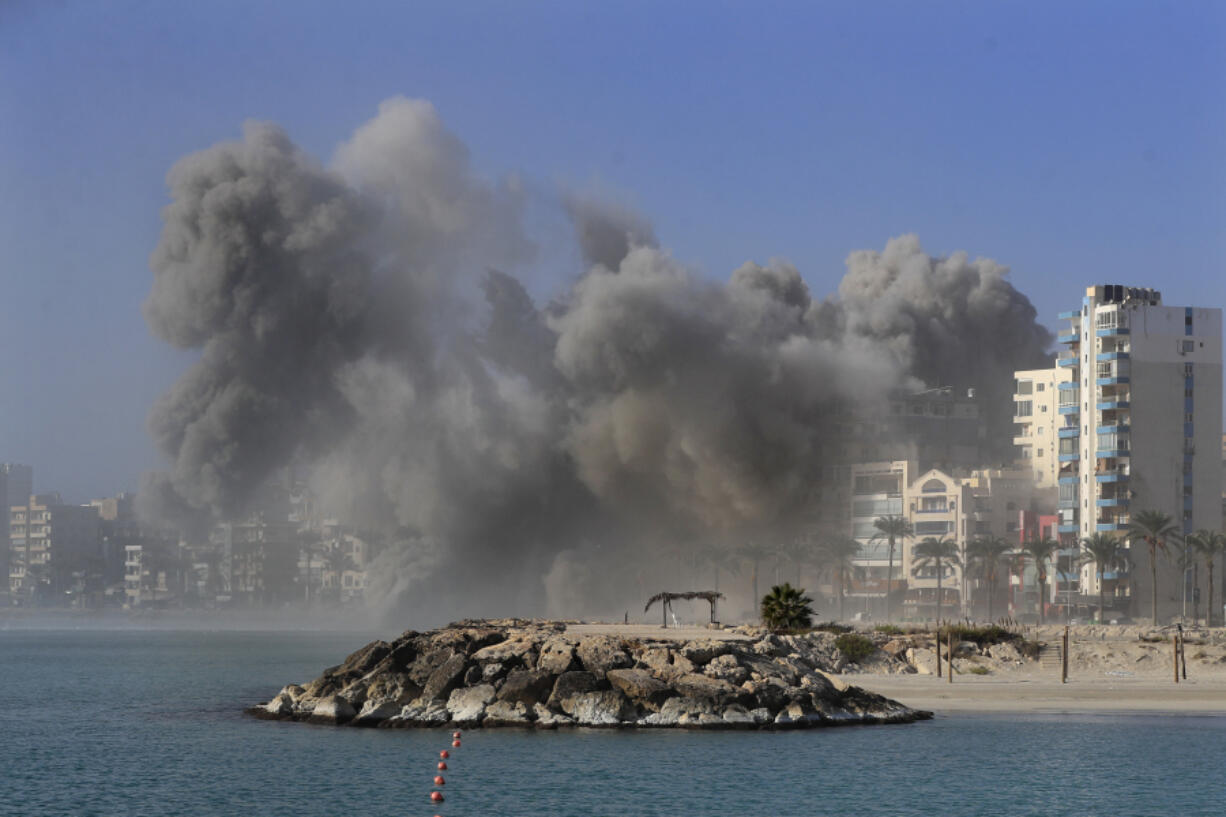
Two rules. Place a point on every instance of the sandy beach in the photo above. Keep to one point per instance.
(1111, 669)
(1045, 695)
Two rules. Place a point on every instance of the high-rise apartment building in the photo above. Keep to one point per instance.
(1141, 425)
(16, 485)
(48, 540)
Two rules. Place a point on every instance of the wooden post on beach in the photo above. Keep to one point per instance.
(1064, 659)
(1175, 655)
(1183, 656)
(949, 641)
(938, 652)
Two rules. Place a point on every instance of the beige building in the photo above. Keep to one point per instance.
(984, 502)
(48, 540)
(1036, 418)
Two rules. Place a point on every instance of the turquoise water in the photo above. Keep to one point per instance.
(149, 723)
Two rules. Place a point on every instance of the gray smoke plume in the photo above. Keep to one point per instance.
(516, 458)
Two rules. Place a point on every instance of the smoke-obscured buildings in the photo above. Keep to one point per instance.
(53, 550)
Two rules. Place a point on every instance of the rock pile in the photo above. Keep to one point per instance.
(518, 673)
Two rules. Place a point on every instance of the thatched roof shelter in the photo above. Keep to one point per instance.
(666, 601)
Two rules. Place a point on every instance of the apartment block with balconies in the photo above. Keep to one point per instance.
(1145, 396)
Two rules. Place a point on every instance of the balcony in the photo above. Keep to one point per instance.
(1072, 314)
(1067, 361)
(1111, 502)
(1104, 356)
(1066, 433)
(1113, 429)
(1069, 528)
(1069, 457)
(1072, 410)
(1070, 337)
(1111, 475)
(1107, 527)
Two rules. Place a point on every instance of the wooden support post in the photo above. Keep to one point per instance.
(1064, 659)
(1175, 655)
(1183, 657)
(938, 653)
(950, 655)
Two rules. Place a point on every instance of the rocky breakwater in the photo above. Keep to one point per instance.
(533, 674)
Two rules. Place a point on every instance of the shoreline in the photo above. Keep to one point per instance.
(1104, 695)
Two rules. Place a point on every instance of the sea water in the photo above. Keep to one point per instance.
(151, 723)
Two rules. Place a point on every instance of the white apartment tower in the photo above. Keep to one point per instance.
(1141, 423)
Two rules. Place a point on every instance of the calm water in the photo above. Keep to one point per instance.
(139, 723)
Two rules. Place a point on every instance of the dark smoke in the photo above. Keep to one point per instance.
(520, 459)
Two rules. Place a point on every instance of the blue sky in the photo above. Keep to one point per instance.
(1077, 143)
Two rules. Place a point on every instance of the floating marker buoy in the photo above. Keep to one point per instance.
(436, 796)
(438, 780)
(455, 743)
(455, 735)
(444, 754)
(442, 767)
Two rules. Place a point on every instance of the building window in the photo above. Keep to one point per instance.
(1187, 370)
(1040, 453)
(1040, 386)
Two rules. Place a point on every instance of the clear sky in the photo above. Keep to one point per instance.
(1076, 142)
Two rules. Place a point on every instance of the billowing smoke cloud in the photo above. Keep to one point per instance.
(364, 318)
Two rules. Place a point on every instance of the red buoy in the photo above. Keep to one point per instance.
(438, 780)
(436, 796)
(455, 735)
(444, 754)
(442, 767)
(455, 743)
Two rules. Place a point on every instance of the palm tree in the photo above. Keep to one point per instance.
(986, 553)
(799, 552)
(754, 554)
(1041, 552)
(1209, 543)
(787, 608)
(836, 556)
(891, 528)
(719, 557)
(1157, 529)
(938, 553)
(1105, 552)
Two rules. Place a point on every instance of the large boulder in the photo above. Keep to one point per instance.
(375, 712)
(601, 653)
(362, 661)
(700, 652)
(681, 711)
(710, 689)
(666, 663)
(527, 687)
(726, 668)
(507, 713)
(332, 709)
(546, 718)
(446, 677)
(393, 686)
(281, 706)
(606, 707)
(512, 652)
(639, 686)
(467, 706)
(572, 683)
(557, 655)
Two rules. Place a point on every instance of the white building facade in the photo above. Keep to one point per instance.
(1141, 424)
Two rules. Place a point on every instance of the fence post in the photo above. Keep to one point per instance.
(1175, 655)
(1064, 659)
(949, 641)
